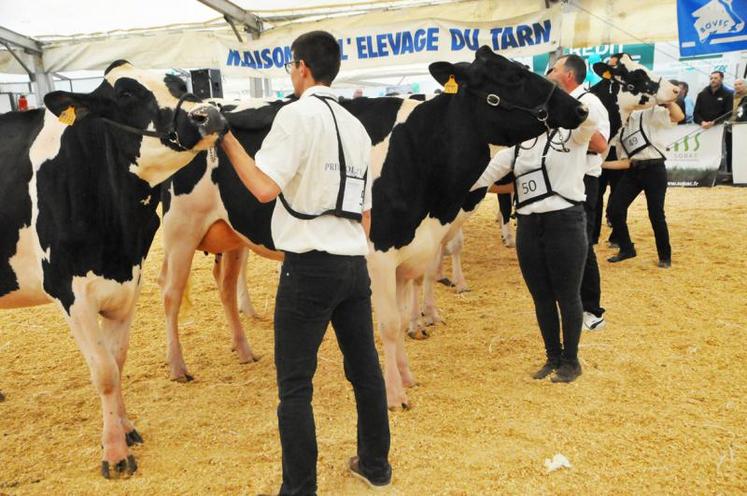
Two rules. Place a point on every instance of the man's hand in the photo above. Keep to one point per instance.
(706, 124)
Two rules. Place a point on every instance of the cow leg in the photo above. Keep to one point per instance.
(173, 280)
(406, 375)
(438, 274)
(226, 273)
(98, 349)
(244, 301)
(430, 310)
(456, 244)
(415, 328)
(119, 332)
(384, 296)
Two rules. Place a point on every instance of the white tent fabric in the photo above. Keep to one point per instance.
(585, 23)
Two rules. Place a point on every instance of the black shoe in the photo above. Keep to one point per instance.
(547, 369)
(664, 264)
(567, 372)
(355, 469)
(622, 255)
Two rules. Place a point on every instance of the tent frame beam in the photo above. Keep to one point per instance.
(19, 40)
(251, 22)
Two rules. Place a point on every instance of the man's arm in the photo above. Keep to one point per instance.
(366, 222)
(697, 119)
(598, 143)
(256, 181)
(726, 108)
(675, 112)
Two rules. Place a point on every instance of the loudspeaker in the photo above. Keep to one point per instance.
(206, 83)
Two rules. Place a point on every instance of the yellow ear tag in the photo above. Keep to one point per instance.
(67, 117)
(451, 86)
(607, 75)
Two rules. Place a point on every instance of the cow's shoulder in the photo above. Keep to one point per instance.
(378, 115)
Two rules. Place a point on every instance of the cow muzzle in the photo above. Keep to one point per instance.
(208, 120)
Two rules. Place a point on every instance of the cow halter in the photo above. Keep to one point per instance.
(170, 136)
(540, 112)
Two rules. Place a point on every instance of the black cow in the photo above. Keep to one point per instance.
(80, 186)
(426, 157)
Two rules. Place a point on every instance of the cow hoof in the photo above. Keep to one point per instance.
(182, 379)
(402, 407)
(446, 282)
(133, 437)
(419, 334)
(463, 290)
(126, 467)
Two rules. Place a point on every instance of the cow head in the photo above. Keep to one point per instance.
(508, 101)
(637, 88)
(167, 126)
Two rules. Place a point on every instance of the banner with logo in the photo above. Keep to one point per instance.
(711, 26)
(405, 43)
(694, 154)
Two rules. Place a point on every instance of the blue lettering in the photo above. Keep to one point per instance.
(524, 33)
(248, 61)
(233, 58)
(381, 45)
(432, 40)
(342, 51)
(508, 40)
(277, 57)
(407, 46)
(420, 40)
(457, 40)
(542, 32)
(372, 53)
(360, 43)
(494, 35)
(258, 59)
(473, 45)
(287, 53)
(395, 42)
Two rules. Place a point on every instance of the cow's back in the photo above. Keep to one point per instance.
(18, 131)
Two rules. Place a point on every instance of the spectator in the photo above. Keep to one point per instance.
(358, 93)
(714, 106)
(689, 105)
(740, 97)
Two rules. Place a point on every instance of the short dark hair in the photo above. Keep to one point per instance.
(674, 82)
(720, 73)
(575, 64)
(321, 54)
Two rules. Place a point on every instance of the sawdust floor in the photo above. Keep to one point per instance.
(660, 408)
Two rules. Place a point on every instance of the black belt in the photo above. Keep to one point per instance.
(643, 164)
(592, 153)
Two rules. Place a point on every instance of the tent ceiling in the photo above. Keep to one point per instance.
(53, 18)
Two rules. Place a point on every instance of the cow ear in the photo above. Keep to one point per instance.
(443, 71)
(60, 103)
(603, 70)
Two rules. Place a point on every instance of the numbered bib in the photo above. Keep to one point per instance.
(532, 186)
(352, 202)
(634, 143)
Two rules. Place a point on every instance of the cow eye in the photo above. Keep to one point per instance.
(126, 94)
(631, 87)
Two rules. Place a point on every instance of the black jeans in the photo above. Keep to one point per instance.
(315, 289)
(652, 180)
(609, 177)
(591, 289)
(551, 248)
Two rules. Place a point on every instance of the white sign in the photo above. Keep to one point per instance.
(739, 153)
(406, 43)
(693, 155)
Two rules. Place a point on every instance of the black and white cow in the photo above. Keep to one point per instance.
(79, 215)
(425, 158)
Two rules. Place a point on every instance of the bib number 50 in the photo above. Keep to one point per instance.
(529, 186)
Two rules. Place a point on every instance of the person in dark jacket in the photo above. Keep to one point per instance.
(714, 106)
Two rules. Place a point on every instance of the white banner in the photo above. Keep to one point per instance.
(739, 153)
(403, 43)
(694, 154)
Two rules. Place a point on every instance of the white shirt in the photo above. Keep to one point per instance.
(595, 106)
(566, 170)
(301, 155)
(654, 118)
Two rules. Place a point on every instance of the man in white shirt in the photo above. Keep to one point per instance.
(642, 142)
(315, 160)
(551, 235)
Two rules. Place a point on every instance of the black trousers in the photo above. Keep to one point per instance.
(591, 288)
(609, 177)
(315, 289)
(652, 180)
(551, 248)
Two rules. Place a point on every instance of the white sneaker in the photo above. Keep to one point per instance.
(593, 323)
